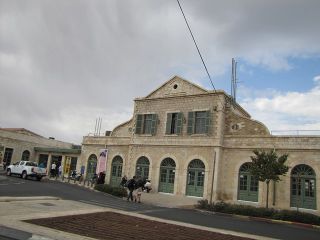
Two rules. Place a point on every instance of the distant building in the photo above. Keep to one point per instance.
(18, 144)
(194, 142)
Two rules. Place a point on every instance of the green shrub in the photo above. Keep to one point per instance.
(285, 215)
(295, 216)
(116, 191)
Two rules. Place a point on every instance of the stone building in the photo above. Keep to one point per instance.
(18, 144)
(194, 142)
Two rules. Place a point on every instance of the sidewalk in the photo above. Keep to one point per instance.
(12, 214)
(157, 199)
(169, 200)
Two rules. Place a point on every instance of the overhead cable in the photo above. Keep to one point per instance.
(196, 45)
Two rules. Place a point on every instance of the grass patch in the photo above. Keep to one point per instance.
(285, 215)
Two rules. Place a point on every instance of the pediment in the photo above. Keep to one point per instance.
(176, 86)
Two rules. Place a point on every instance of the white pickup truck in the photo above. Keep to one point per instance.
(26, 169)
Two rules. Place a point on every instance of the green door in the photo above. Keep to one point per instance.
(248, 185)
(195, 178)
(142, 168)
(92, 166)
(303, 185)
(167, 175)
(116, 171)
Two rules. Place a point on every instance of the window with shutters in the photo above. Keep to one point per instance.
(146, 124)
(174, 123)
(199, 122)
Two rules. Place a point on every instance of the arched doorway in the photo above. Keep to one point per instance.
(142, 167)
(91, 166)
(248, 185)
(303, 187)
(25, 155)
(167, 174)
(116, 171)
(195, 178)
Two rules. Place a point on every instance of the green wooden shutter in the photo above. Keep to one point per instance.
(190, 123)
(154, 124)
(208, 122)
(179, 123)
(169, 120)
(139, 123)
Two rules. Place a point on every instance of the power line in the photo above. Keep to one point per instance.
(196, 45)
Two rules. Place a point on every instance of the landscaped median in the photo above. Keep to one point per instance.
(116, 191)
(273, 215)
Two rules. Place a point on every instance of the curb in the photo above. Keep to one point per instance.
(14, 199)
(306, 225)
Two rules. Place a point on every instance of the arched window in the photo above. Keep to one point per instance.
(116, 171)
(142, 167)
(303, 187)
(248, 186)
(195, 178)
(25, 155)
(91, 166)
(167, 175)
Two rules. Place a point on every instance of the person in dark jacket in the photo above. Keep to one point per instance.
(131, 186)
(123, 181)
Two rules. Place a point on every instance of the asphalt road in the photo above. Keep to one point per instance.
(14, 186)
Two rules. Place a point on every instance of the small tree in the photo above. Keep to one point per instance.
(267, 166)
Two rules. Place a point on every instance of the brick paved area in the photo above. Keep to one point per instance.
(110, 225)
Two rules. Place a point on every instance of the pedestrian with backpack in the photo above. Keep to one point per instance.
(131, 186)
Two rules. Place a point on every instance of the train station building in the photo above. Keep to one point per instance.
(194, 142)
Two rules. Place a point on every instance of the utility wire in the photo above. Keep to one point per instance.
(196, 45)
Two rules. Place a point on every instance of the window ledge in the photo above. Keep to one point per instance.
(199, 135)
(246, 201)
(172, 135)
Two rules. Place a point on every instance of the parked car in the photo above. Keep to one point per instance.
(27, 169)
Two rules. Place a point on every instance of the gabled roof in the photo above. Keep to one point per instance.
(176, 86)
(21, 131)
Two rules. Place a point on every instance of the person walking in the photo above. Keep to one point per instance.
(53, 169)
(60, 170)
(131, 186)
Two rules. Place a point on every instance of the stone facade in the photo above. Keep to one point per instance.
(15, 141)
(221, 135)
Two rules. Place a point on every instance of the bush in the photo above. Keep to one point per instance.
(116, 191)
(285, 215)
(295, 216)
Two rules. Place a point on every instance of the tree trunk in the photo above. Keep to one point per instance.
(267, 194)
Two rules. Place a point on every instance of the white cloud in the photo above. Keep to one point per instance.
(70, 56)
(285, 111)
(316, 78)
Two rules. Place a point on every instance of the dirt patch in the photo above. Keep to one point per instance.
(110, 225)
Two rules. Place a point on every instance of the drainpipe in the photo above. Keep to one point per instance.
(214, 166)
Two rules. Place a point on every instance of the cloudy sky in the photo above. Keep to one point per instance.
(63, 64)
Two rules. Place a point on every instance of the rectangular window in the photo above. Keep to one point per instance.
(119, 171)
(174, 123)
(7, 155)
(191, 177)
(146, 124)
(254, 184)
(43, 160)
(171, 176)
(73, 165)
(243, 182)
(199, 122)
(147, 120)
(200, 179)
(163, 175)
(114, 171)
